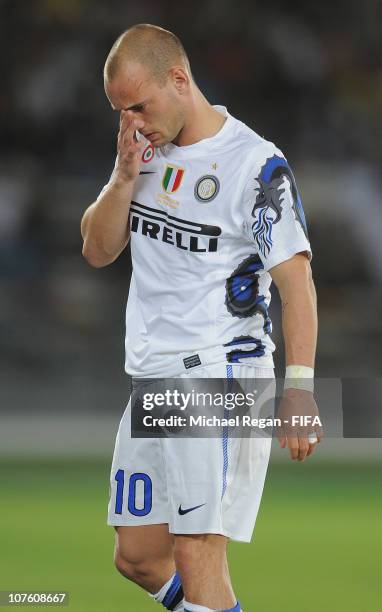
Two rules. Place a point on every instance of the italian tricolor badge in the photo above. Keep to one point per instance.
(172, 178)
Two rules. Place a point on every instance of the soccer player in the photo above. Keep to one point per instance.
(213, 215)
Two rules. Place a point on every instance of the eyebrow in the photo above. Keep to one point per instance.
(132, 107)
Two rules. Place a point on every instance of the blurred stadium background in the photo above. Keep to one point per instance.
(306, 75)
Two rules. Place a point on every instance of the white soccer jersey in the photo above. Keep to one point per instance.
(208, 221)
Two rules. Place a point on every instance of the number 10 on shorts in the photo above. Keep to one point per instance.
(134, 479)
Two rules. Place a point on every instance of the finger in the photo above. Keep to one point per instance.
(303, 433)
(319, 433)
(123, 128)
(291, 431)
(127, 134)
(138, 122)
(312, 437)
(280, 435)
(128, 145)
(139, 146)
(303, 448)
(293, 447)
(126, 117)
(313, 440)
(312, 448)
(127, 120)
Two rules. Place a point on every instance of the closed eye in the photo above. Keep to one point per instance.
(138, 108)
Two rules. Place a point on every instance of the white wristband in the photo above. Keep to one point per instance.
(299, 377)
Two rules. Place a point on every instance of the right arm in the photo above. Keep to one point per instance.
(104, 226)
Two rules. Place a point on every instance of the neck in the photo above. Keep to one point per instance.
(202, 121)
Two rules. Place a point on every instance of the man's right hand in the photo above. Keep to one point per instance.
(105, 224)
(128, 147)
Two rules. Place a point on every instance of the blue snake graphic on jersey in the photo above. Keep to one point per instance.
(270, 198)
(242, 292)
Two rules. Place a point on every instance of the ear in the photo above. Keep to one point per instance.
(180, 79)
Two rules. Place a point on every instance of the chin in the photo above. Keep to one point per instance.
(160, 142)
(157, 141)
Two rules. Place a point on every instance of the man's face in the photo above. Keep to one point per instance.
(160, 108)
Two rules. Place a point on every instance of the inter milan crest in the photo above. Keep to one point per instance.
(172, 178)
(148, 154)
(206, 188)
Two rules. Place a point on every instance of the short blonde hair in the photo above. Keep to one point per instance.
(154, 48)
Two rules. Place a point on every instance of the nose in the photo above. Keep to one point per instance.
(134, 116)
(139, 124)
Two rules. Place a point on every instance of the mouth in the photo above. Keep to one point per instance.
(151, 136)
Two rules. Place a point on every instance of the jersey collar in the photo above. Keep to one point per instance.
(204, 145)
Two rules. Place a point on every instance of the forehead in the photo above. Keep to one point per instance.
(131, 85)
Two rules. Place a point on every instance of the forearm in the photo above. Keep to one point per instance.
(299, 322)
(105, 224)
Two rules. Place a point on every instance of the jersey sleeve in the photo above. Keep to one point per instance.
(274, 216)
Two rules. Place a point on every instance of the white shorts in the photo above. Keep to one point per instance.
(196, 485)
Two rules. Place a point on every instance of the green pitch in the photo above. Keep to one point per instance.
(317, 544)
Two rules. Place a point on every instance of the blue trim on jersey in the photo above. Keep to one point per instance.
(270, 165)
(237, 356)
(172, 591)
(225, 433)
